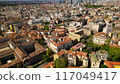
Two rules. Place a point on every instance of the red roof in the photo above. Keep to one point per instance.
(114, 46)
(74, 67)
(66, 39)
(110, 64)
(74, 53)
(77, 46)
(51, 64)
(99, 33)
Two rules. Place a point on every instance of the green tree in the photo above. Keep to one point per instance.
(45, 57)
(48, 52)
(63, 62)
(58, 25)
(93, 6)
(90, 38)
(57, 63)
(105, 47)
(46, 28)
(60, 63)
(83, 41)
(41, 41)
(95, 47)
(103, 66)
(46, 23)
(114, 53)
(108, 41)
(20, 65)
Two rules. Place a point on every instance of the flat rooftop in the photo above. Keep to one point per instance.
(4, 47)
(77, 46)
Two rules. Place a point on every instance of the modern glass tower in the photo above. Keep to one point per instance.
(71, 2)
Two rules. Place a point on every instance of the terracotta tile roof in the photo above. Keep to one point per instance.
(110, 64)
(92, 52)
(98, 34)
(74, 67)
(60, 53)
(61, 33)
(82, 53)
(39, 47)
(72, 31)
(51, 64)
(1, 22)
(20, 52)
(77, 46)
(6, 53)
(91, 19)
(58, 27)
(16, 44)
(74, 53)
(114, 46)
(66, 39)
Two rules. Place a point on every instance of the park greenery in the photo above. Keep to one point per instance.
(114, 52)
(60, 63)
(93, 6)
(37, 64)
(46, 23)
(48, 54)
(46, 28)
(103, 66)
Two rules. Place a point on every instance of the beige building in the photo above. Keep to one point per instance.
(60, 43)
(77, 35)
(74, 58)
(99, 38)
(94, 60)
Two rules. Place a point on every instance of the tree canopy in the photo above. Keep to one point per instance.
(60, 63)
(103, 66)
(114, 53)
(48, 54)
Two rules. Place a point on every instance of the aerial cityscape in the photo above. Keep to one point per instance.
(59, 33)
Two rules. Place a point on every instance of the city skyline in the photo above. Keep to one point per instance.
(59, 34)
(40, 0)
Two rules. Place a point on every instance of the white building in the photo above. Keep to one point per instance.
(94, 60)
(108, 29)
(60, 43)
(99, 38)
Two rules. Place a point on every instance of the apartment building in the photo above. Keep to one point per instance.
(99, 38)
(75, 58)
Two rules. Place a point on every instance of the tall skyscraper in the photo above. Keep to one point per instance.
(71, 2)
(81, 1)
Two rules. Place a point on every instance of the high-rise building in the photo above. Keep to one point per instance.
(81, 1)
(88, 1)
(62, 1)
(71, 2)
(91, 2)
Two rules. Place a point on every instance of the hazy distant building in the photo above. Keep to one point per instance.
(81, 1)
(71, 2)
